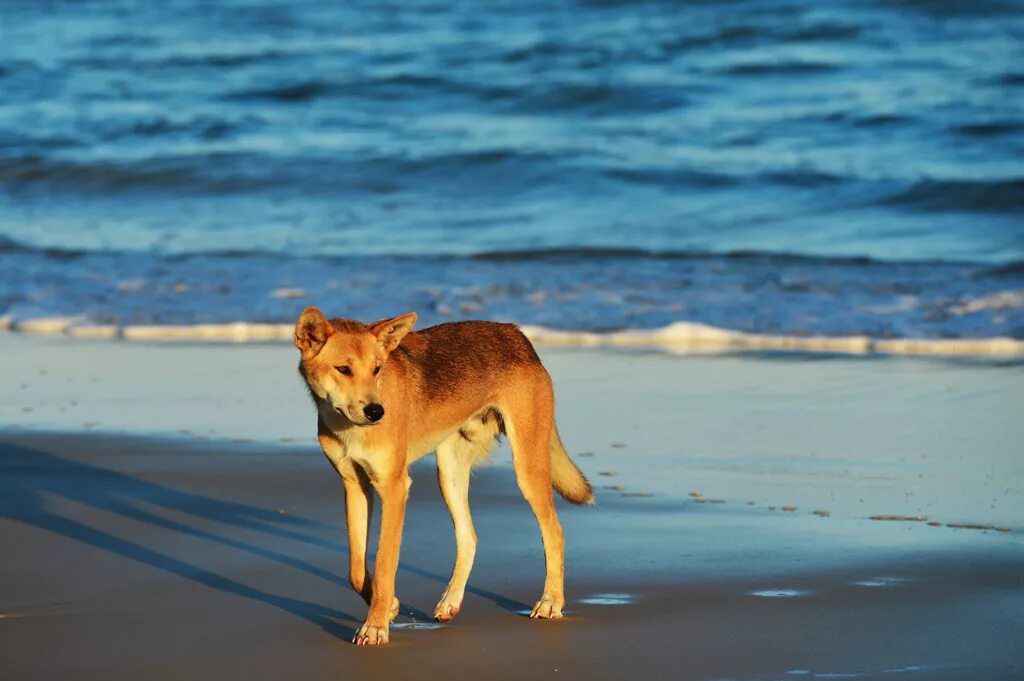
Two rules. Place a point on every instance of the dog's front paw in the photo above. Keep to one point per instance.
(448, 608)
(548, 608)
(370, 635)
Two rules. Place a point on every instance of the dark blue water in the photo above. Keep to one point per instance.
(588, 165)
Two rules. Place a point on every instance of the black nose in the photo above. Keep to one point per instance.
(374, 412)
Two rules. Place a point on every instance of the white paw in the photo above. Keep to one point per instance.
(548, 609)
(448, 608)
(369, 635)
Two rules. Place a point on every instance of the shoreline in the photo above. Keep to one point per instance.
(677, 338)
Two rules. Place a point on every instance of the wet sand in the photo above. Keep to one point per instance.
(198, 554)
(150, 559)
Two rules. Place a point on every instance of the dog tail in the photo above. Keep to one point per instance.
(567, 479)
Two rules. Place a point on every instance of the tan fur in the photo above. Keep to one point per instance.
(451, 389)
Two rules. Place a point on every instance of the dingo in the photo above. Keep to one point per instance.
(386, 397)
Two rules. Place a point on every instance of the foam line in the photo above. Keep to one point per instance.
(684, 337)
(235, 331)
(693, 337)
(678, 337)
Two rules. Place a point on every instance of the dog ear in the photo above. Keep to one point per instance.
(311, 332)
(390, 332)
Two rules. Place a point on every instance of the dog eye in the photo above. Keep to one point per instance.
(344, 371)
(376, 371)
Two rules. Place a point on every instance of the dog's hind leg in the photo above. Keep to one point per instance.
(528, 411)
(455, 458)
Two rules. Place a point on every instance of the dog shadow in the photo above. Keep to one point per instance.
(31, 477)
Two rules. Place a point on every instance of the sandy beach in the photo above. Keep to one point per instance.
(167, 515)
(771, 254)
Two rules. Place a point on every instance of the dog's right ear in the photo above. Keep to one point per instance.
(311, 332)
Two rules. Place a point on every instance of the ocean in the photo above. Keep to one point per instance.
(786, 167)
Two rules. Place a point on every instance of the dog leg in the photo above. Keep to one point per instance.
(358, 511)
(394, 492)
(453, 466)
(529, 422)
(358, 508)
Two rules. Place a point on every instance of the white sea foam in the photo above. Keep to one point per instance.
(678, 337)
(234, 331)
(780, 593)
(288, 293)
(94, 330)
(1002, 300)
(45, 325)
(692, 337)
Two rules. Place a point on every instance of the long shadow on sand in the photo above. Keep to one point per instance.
(29, 476)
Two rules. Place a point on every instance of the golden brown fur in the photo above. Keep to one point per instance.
(386, 396)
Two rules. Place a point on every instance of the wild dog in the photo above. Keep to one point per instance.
(386, 396)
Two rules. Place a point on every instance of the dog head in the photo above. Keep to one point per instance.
(343, 361)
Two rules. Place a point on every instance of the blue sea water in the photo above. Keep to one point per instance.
(782, 166)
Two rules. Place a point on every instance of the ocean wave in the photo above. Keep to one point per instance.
(823, 31)
(616, 252)
(223, 60)
(199, 127)
(541, 97)
(202, 127)
(598, 98)
(539, 50)
(468, 173)
(110, 177)
(779, 68)
(947, 9)
(594, 289)
(1014, 79)
(1011, 269)
(568, 253)
(8, 245)
(748, 34)
(389, 87)
(733, 35)
(683, 176)
(985, 196)
(671, 177)
(497, 170)
(296, 92)
(153, 56)
(681, 337)
(999, 300)
(989, 128)
(861, 119)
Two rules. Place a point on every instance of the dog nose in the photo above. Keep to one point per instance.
(374, 412)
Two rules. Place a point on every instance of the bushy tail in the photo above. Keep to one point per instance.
(566, 478)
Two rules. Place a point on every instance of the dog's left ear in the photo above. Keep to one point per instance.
(390, 332)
